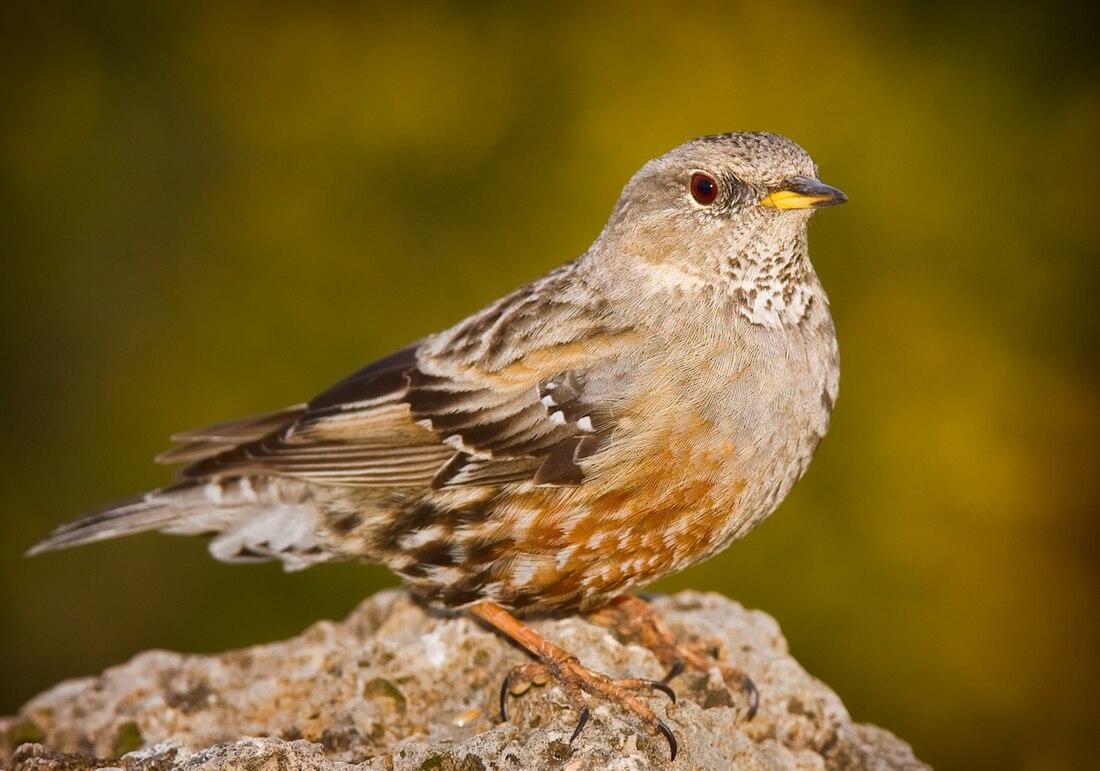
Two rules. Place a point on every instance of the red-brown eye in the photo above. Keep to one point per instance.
(703, 188)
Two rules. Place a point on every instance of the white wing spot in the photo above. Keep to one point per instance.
(557, 418)
(213, 493)
(419, 538)
(585, 424)
(548, 400)
(446, 575)
(247, 491)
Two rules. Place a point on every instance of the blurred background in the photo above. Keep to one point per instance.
(214, 209)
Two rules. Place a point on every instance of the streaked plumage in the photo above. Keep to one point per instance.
(643, 400)
(626, 415)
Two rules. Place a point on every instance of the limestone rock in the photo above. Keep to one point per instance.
(400, 686)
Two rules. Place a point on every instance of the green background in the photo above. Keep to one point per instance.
(215, 209)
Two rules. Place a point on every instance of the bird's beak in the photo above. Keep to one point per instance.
(803, 193)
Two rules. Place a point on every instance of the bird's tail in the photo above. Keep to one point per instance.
(252, 519)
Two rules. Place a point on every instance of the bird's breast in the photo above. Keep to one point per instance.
(705, 444)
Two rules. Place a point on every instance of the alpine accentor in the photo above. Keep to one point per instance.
(624, 416)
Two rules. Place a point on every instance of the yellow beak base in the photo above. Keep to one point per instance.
(803, 193)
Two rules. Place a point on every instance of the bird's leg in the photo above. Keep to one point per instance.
(634, 618)
(557, 664)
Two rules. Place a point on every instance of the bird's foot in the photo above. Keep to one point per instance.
(576, 679)
(558, 665)
(635, 619)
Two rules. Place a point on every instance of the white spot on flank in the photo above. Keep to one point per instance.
(523, 571)
(521, 523)
(563, 556)
(557, 418)
(434, 649)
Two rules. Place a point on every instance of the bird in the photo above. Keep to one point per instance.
(628, 414)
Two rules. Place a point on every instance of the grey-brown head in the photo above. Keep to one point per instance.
(730, 209)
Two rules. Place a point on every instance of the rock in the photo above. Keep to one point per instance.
(400, 686)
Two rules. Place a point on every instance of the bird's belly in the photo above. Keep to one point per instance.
(577, 548)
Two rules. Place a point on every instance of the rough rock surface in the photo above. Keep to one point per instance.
(398, 686)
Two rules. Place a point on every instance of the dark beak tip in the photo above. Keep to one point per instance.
(811, 186)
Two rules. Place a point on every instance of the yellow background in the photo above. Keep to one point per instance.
(211, 209)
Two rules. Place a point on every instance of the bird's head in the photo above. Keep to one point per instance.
(720, 209)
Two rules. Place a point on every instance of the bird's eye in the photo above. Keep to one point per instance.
(703, 188)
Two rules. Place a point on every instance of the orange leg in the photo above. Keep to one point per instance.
(555, 663)
(635, 618)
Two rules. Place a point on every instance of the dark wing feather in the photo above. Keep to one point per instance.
(212, 440)
(379, 381)
(517, 392)
(358, 432)
(536, 437)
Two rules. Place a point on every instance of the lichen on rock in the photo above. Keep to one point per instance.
(399, 686)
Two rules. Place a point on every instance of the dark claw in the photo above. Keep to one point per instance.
(672, 746)
(663, 687)
(504, 697)
(754, 696)
(581, 724)
(677, 668)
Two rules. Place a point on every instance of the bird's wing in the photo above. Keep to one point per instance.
(213, 440)
(524, 390)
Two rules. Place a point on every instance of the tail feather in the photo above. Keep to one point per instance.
(252, 520)
(137, 514)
